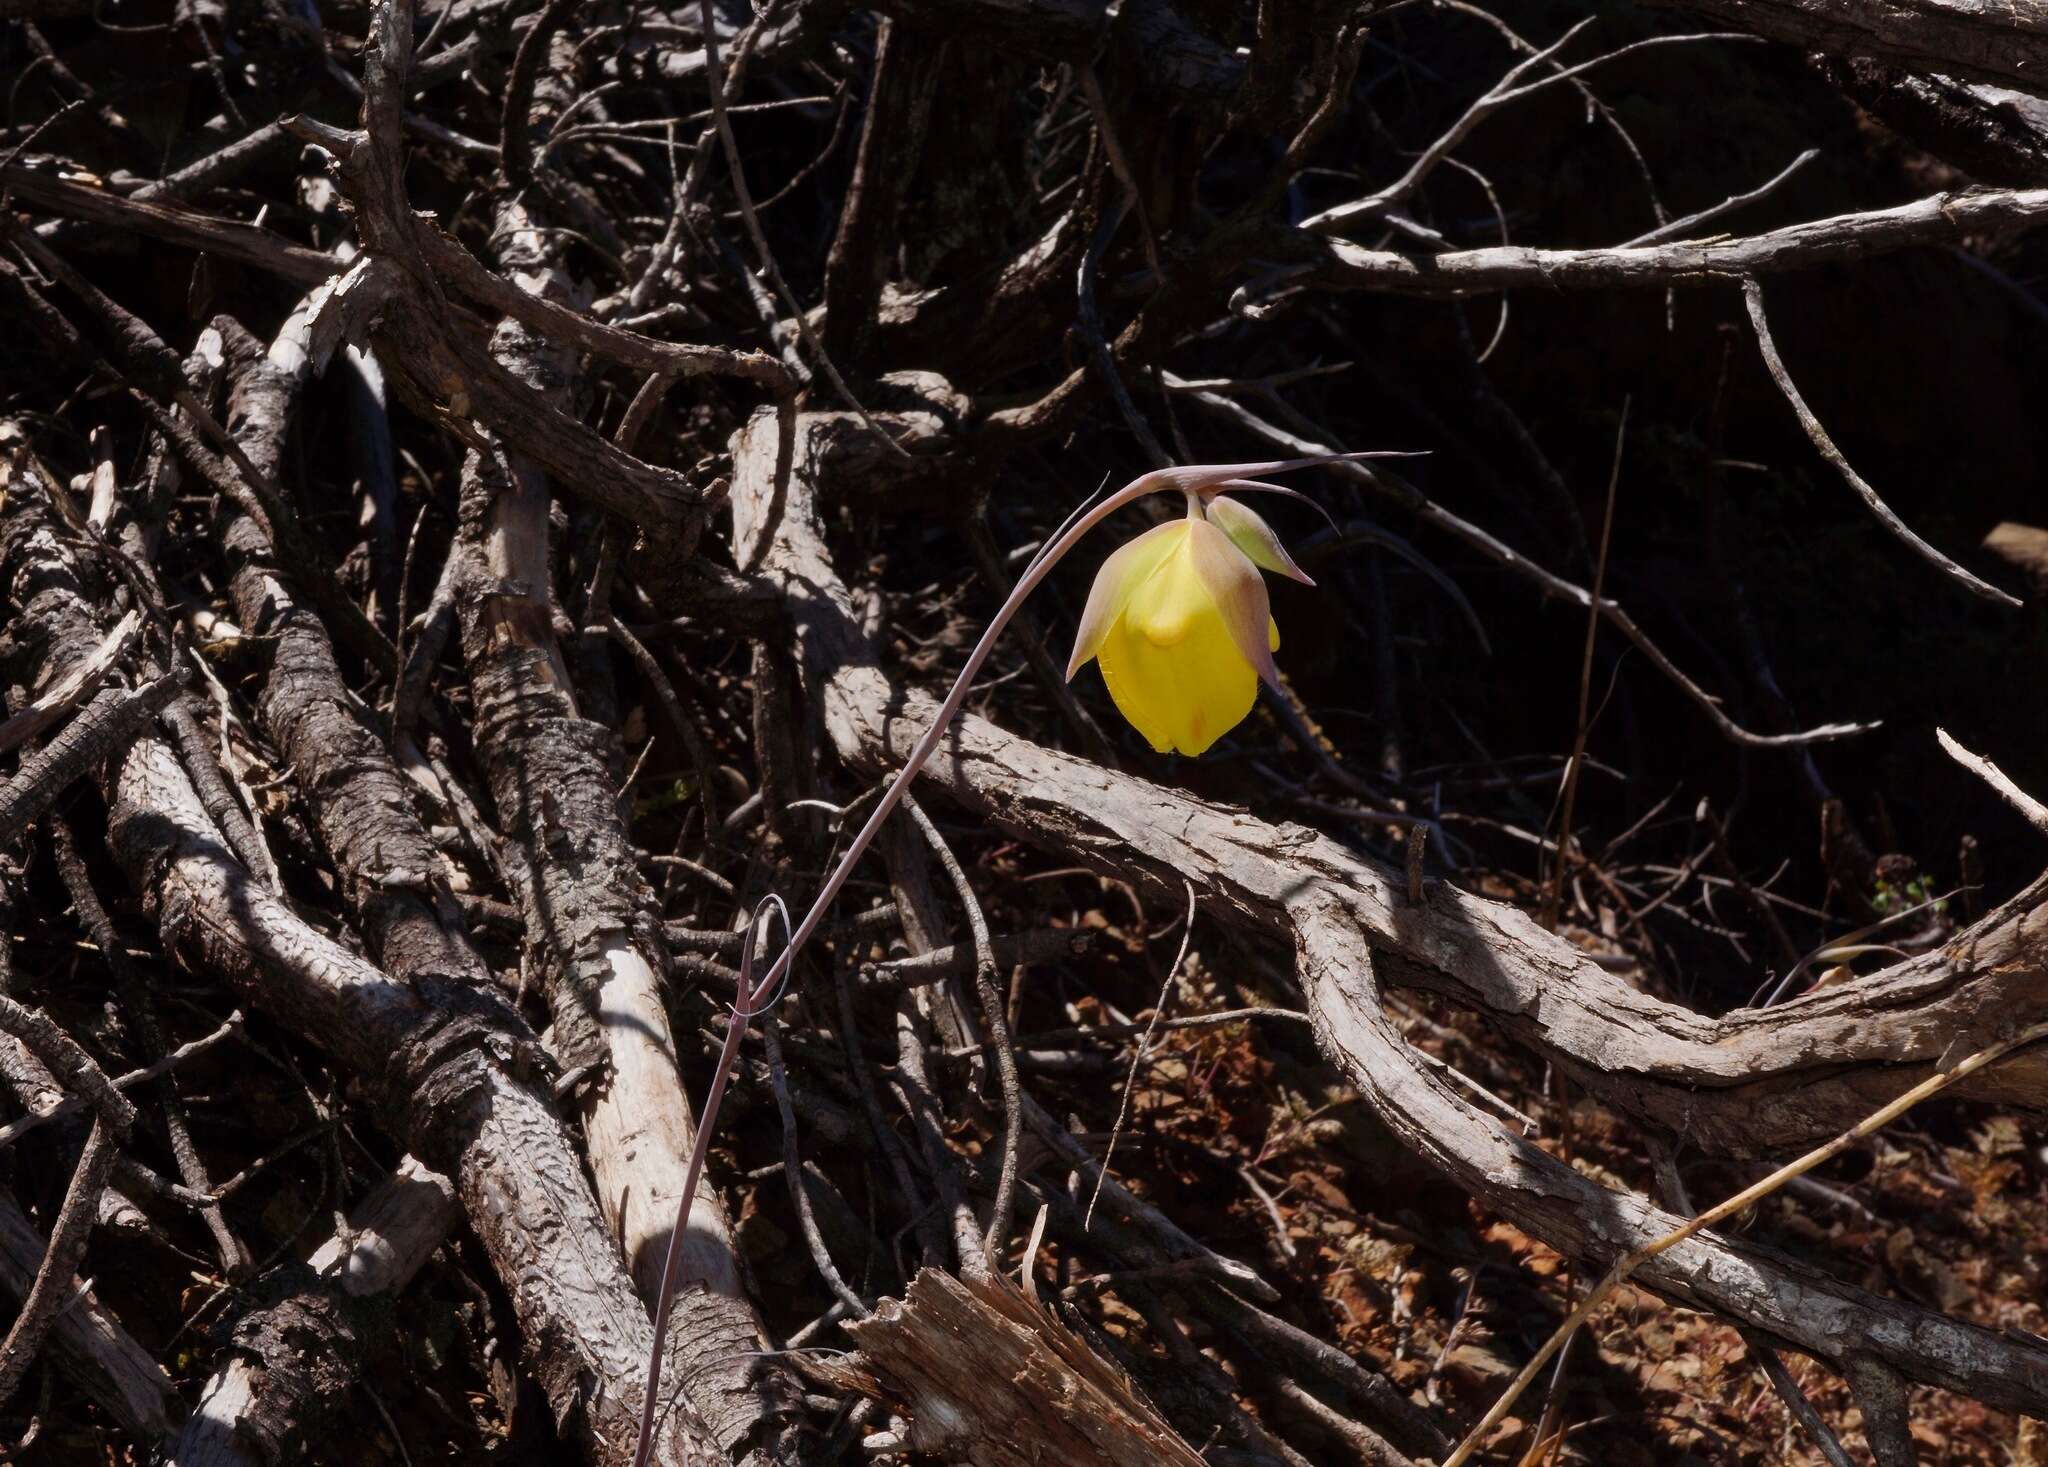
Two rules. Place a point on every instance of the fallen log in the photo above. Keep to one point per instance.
(458, 1077)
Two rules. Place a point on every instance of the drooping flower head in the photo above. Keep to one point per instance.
(1179, 618)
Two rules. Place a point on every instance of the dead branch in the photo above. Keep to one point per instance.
(1998, 779)
(106, 722)
(55, 1276)
(173, 223)
(156, 1070)
(586, 908)
(1347, 917)
(294, 1361)
(1753, 299)
(456, 1070)
(2007, 45)
(1333, 264)
(54, 702)
(86, 1341)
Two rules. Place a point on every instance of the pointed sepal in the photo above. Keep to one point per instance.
(1248, 531)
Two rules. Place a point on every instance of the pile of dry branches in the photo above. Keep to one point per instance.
(487, 491)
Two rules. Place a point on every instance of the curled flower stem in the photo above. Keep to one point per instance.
(754, 999)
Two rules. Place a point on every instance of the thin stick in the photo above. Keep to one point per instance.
(53, 1283)
(141, 1005)
(1998, 779)
(1123, 1109)
(1761, 1350)
(793, 1173)
(1511, 88)
(1753, 298)
(13, 1131)
(998, 1029)
(1628, 1263)
(1796, 1404)
(714, 77)
(1679, 227)
(1554, 903)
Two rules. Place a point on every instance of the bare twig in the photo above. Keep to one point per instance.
(1939, 219)
(1511, 88)
(1679, 228)
(75, 1219)
(1943, 1077)
(1554, 902)
(1998, 779)
(1796, 1403)
(793, 1173)
(1123, 1109)
(994, 1015)
(230, 1028)
(1753, 298)
(715, 79)
(141, 1005)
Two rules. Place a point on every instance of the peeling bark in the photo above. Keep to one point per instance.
(456, 1073)
(589, 912)
(2005, 44)
(294, 1361)
(1029, 1392)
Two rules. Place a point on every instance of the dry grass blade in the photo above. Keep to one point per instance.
(1623, 1267)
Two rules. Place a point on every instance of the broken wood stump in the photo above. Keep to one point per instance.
(985, 1375)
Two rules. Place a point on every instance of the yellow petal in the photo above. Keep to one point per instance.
(1184, 692)
(1167, 602)
(1237, 590)
(1128, 567)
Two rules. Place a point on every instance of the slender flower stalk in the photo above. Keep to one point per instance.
(1201, 483)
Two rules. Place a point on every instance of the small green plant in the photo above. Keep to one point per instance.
(1889, 897)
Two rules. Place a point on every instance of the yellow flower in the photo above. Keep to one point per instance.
(1180, 622)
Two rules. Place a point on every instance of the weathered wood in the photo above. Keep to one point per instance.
(985, 1376)
(457, 1075)
(588, 911)
(1763, 1080)
(53, 702)
(2004, 43)
(293, 1363)
(1995, 134)
(100, 727)
(392, 877)
(86, 1341)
